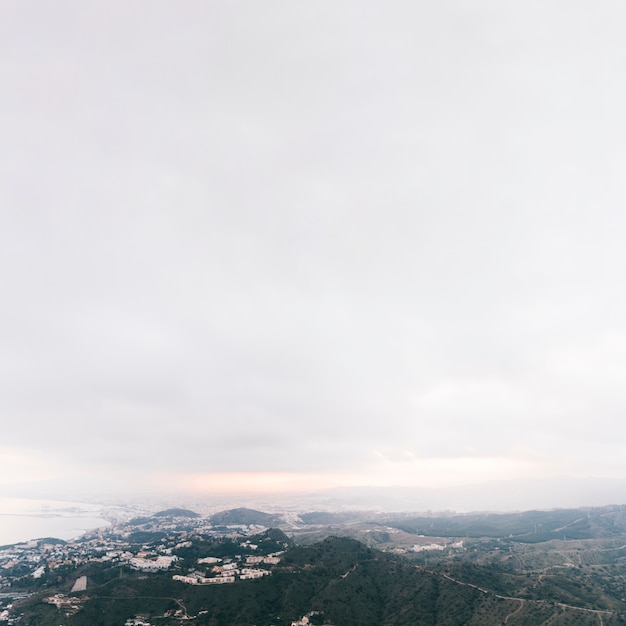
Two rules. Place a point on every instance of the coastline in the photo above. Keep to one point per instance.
(23, 519)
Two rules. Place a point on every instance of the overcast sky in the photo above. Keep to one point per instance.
(299, 244)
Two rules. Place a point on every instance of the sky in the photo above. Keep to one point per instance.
(285, 246)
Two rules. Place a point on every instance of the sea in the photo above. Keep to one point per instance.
(23, 519)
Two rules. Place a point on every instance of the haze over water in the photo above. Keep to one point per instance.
(23, 519)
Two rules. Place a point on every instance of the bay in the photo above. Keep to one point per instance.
(23, 519)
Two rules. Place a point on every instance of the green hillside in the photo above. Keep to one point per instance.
(244, 516)
(525, 527)
(339, 580)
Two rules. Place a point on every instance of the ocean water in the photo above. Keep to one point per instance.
(22, 519)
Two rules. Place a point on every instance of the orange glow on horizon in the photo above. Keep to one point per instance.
(255, 482)
(433, 473)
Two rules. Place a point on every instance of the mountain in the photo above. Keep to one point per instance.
(243, 516)
(524, 527)
(176, 513)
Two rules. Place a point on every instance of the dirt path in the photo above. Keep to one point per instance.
(183, 607)
(517, 610)
(598, 612)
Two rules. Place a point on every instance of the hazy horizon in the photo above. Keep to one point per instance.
(275, 248)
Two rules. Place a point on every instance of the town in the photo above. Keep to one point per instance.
(164, 542)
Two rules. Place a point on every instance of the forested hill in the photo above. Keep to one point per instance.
(337, 581)
(244, 516)
(526, 526)
(177, 513)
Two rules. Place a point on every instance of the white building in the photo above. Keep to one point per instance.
(210, 559)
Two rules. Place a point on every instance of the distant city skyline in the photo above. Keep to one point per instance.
(278, 248)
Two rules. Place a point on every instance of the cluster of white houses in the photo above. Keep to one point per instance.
(229, 572)
(143, 563)
(242, 574)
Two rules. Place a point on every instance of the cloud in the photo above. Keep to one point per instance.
(263, 240)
